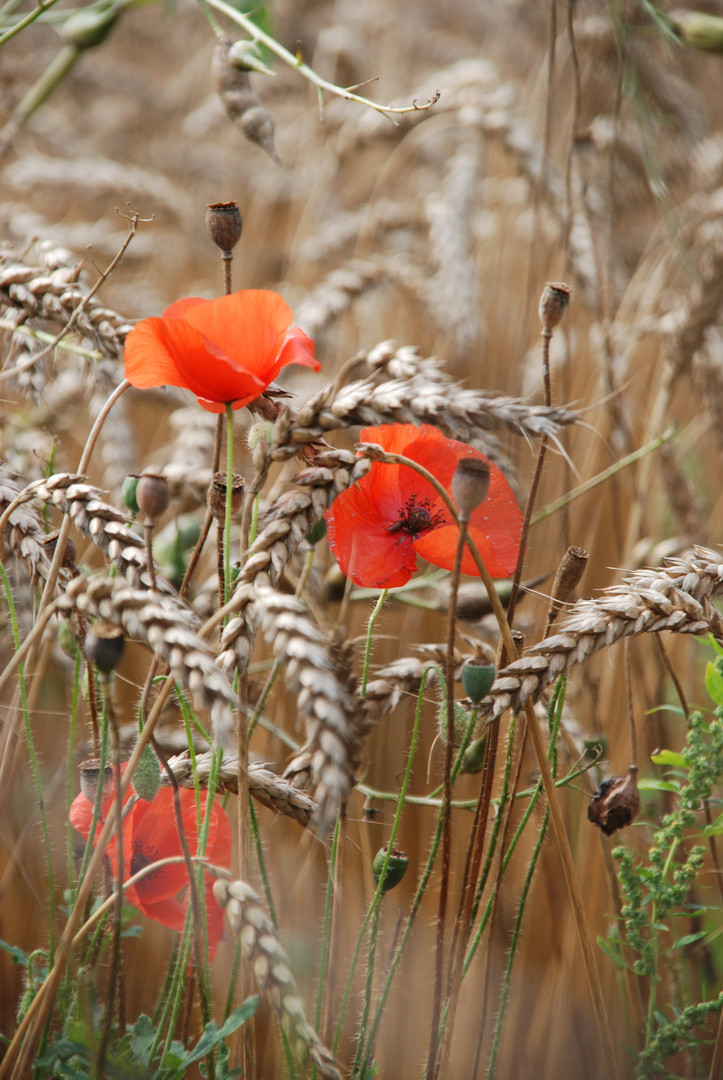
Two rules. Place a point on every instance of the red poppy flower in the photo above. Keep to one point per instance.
(150, 834)
(378, 527)
(225, 351)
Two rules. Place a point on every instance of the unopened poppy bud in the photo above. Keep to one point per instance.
(217, 495)
(90, 779)
(477, 678)
(554, 303)
(616, 803)
(473, 759)
(153, 494)
(396, 868)
(89, 26)
(461, 722)
(224, 224)
(104, 645)
(147, 776)
(128, 491)
(470, 484)
(263, 431)
(50, 543)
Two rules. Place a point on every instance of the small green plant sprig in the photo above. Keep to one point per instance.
(660, 886)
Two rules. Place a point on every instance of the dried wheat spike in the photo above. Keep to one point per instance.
(330, 300)
(107, 527)
(675, 597)
(327, 701)
(161, 622)
(409, 389)
(52, 294)
(281, 530)
(25, 530)
(267, 788)
(272, 972)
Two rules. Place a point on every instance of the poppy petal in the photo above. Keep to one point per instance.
(362, 544)
(170, 912)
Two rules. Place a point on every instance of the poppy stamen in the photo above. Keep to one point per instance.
(416, 517)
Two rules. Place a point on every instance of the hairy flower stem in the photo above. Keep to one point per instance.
(447, 803)
(530, 505)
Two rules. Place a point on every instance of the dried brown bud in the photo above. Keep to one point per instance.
(616, 803)
(554, 303)
(51, 542)
(568, 575)
(470, 484)
(224, 224)
(90, 778)
(217, 495)
(152, 495)
(104, 645)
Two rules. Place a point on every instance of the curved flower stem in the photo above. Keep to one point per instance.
(229, 496)
(206, 527)
(326, 932)
(368, 646)
(295, 62)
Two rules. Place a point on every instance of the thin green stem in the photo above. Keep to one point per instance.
(326, 926)
(368, 646)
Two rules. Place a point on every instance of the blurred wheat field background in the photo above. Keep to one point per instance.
(576, 142)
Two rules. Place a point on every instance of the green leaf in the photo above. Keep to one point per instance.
(19, 957)
(715, 828)
(688, 939)
(657, 785)
(714, 683)
(142, 1035)
(213, 1035)
(669, 757)
(612, 950)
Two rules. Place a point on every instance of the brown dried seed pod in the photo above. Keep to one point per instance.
(50, 543)
(104, 645)
(217, 495)
(224, 224)
(90, 778)
(241, 102)
(152, 495)
(569, 572)
(470, 484)
(616, 803)
(554, 303)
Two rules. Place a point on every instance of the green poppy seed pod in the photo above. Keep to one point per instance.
(90, 26)
(470, 484)
(473, 759)
(217, 495)
(477, 678)
(397, 868)
(263, 431)
(128, 491)
(147, 777)
(461, 722)
(153, 494)
(224, 224)
(316, 532)
(554, 303)
(699, 30)
(90, 779)
(104, 645)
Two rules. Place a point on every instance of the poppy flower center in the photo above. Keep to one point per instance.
(142, 856)
(416, 517)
